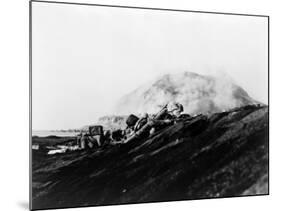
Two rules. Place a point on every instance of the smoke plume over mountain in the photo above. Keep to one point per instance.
(197, 93)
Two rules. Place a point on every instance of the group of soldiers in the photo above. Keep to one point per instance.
(137, 127)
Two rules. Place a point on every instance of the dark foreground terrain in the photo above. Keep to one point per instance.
(222, 155)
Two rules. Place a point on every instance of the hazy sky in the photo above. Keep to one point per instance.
(86, 57)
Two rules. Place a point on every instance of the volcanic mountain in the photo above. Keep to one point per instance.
(220, 153)
(197, 93)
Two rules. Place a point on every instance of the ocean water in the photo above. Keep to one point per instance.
(44, 133)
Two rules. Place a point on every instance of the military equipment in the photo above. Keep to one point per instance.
(131, 120)
(145, 129)
(96, 130)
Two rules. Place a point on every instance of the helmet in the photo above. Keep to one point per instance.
(172, 106)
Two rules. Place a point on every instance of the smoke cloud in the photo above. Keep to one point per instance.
(197, 93)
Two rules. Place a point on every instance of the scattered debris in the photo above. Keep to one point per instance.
(35, 146)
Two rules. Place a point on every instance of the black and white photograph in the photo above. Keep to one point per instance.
(138, 105)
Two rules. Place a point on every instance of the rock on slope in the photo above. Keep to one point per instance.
(224, 154)
(197, 93)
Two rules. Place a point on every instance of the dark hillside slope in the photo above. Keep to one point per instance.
(225, 154)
